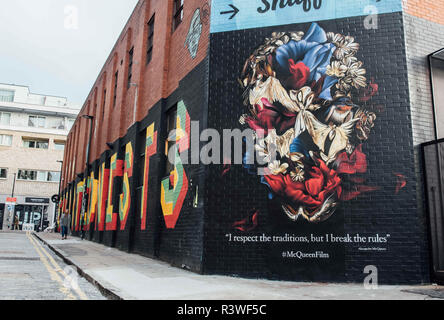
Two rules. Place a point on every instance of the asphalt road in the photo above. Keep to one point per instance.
(31, 271)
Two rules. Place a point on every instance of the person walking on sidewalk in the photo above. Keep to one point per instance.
(64, 225)
(16, 223)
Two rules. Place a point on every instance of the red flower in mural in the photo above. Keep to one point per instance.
(356, 163)
(300, 73)
(248, 224)
(271, 117)
(400, 183)
(368, 92)
(321, 183)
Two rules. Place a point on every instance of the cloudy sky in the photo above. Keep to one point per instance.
(58, 47)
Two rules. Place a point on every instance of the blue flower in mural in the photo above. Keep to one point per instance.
(304, 63)
(297, 146)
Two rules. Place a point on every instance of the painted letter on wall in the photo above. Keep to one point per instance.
(79, 199)
(92, 201)
(115, 171)
(150, 149)
(125, 197)
(103, 194)
(175, 188)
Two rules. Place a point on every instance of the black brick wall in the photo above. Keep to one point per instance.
(389, 151)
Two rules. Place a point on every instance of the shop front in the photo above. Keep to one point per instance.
(32, 213)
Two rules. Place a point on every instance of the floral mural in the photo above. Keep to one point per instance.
(301, 91)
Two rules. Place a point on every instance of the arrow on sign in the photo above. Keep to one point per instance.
(234, 11)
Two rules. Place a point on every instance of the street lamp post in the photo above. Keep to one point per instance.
(85, 192)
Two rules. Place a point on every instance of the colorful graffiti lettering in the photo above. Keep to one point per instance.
(79, 198)
(116, 167)
(92, 201)
(125, 196)
(71, 205)
(102, 196)
(150, 150)
(175, 188)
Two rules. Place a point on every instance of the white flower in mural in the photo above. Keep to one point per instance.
(336, 69)
(283, 143)
(297, 158)
(334, 37)
(277, 168)
(274, 144)
(273, 91)
(355, 76)
(267, 147)
(346, 46)
(298, 175)
(262, 150)
(304, 99)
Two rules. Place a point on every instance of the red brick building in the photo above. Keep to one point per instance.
(156, 80)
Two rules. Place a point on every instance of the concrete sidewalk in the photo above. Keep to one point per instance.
(121, 275)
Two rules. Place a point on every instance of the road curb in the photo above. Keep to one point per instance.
(110, 294)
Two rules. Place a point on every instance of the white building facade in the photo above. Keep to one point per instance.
(33, 130)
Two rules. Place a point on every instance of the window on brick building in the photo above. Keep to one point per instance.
(130, 66)
(56, 123)
(7, 95)
(170, 143)
(116, 78)
(37, 122)
(27, 175)
(37, 175)
(5, 118)
(3, 173)
(177, 13)
(35, 143)
(53, 176)
(59, 145)
(150, 42)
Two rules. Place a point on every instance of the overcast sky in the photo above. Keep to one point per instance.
(42, 47)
